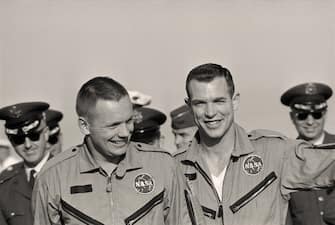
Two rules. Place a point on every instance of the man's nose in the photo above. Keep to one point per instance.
(310, 119)
(210, 110)
(124, 130)
(27, 143)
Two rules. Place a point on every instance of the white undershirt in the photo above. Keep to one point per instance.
(218, 182)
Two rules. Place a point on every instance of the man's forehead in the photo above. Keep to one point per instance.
(219, 85)
(107, 111)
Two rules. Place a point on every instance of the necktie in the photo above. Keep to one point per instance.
(32, 178)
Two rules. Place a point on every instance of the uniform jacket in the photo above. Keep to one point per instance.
(144, 189)
(264, 168)
(307, 207)
(15, 197)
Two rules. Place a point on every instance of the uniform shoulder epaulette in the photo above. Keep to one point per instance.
(262, 133)
(150, 148)
(10, 172)
(69, 153)
(180, 151)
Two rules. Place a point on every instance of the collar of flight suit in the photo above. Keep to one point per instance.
(89, 164)
(242, 145)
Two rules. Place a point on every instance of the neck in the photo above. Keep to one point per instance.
(217, 155)
(219, 146)
(106, 162)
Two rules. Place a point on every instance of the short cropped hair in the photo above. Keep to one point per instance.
(104, 88)
(207, 73)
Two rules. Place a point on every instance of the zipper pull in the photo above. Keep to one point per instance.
(109, 184)
(220, 212)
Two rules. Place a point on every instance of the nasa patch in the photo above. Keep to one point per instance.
(253, 165)
(144, 183)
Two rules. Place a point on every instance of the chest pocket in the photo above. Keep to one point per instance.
(15, 216)
(146, 214)
(77, 215)
(259, 188)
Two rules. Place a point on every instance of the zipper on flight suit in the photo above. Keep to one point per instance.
(109, 188)
(209, 181)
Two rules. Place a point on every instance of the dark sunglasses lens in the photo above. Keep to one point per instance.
(317, 115)
(34, 136)
(302, 116)
(53, 139)
(17, 139)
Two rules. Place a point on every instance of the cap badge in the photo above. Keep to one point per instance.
(137, 117)
(144, 183)
(31, 126)
(310, 89)
(253, 165)
(15, 111)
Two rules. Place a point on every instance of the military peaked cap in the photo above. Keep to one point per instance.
(53, 117)
(307, 96)
(182, 117)
(26, 115)
(147, 122)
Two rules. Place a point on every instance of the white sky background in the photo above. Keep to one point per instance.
(48, 49)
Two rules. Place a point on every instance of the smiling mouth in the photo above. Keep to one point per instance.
(213, 123)
(30, 151)
(119, 143)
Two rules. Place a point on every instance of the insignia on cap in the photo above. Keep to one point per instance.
(15, 111)
(31, 126)
(302, 107)
(54, 131)
(310, 89)
(253, 165)
(144, 183)
(137, 117)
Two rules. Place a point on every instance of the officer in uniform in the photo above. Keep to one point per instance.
(244, 177)
(108, 179)
(308, 104)
(183, 126)
(55, 140)
(27, 131)
(147, 123)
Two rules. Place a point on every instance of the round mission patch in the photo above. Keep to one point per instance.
(144, 183)
(253, 164)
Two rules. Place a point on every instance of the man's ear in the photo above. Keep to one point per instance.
(187, 101)
(236, 101)
(83, 126)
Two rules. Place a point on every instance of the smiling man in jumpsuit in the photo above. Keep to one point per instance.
(243, 178)
(108, 179)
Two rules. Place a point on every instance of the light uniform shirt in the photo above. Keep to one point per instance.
(265, 167)
(145, 188)
(38, 167)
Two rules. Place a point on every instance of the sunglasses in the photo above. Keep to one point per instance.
(304, 115)
(20, 139)
(53, 139)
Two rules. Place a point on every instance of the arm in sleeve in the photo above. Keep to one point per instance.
(45, 210)
(329, 209)
(307, 167)
(184, 209)
(2, 218)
